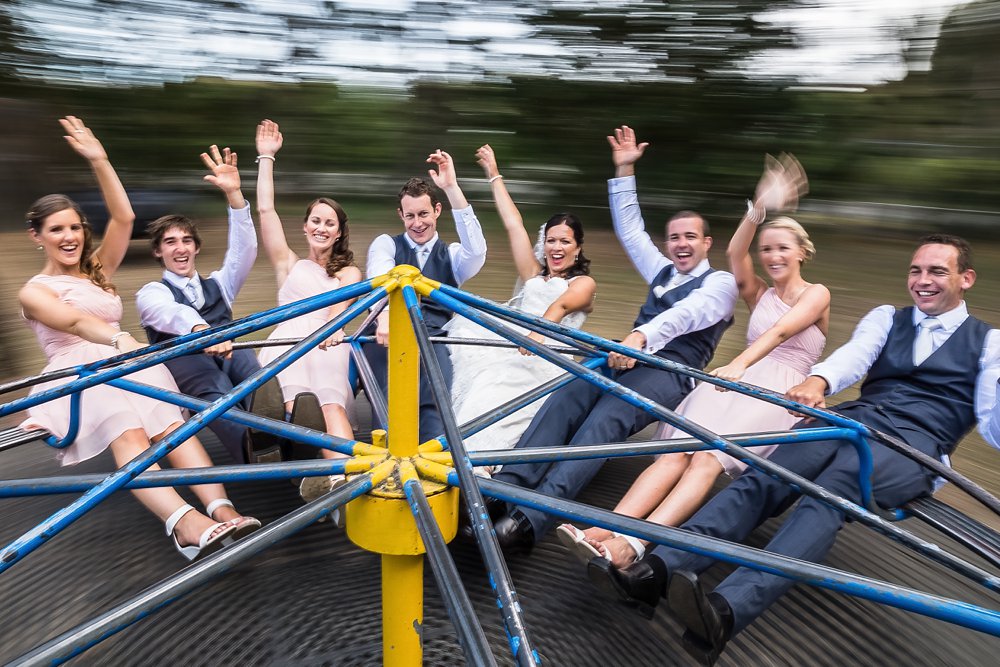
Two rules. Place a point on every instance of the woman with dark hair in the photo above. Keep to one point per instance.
(74, 310)
(329, 265)
(553, 282)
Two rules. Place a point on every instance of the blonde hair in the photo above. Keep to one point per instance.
(801, 236)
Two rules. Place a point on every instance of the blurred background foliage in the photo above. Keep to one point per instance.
(364, 91)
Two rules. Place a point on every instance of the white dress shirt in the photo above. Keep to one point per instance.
(703, 307)
(156, 304)
(851, 361)
(467, 256)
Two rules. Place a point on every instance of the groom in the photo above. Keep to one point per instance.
(688, 308)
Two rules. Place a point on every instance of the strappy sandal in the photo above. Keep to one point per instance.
(575, 540)
(312, 488)
(211, 540)
(244, 524)
(637, 546)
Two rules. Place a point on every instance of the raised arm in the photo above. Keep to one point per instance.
(779, 189)
(813, 307)
(520, 242)
(446, 179)
(41, 304)
(625, 151)
(118, 232)
(272, 234)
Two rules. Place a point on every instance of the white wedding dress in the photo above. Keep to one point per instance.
(485, 378)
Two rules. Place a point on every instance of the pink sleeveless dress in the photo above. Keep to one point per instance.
(322, 372)
(105, 412)
(730, 413)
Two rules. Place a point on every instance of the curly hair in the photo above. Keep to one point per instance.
(341, 255)
(90, 264)
(581, 267)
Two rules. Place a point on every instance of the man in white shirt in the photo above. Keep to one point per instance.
(931, 374)
(688, 308)
(183, 301)
(419, 246)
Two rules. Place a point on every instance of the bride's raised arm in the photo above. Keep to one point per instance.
(521, 246)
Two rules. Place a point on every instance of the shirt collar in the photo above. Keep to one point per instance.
(949, 321)
(413, 244)
(180, 282)
(699, 269)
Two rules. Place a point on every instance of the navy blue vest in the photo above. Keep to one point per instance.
(938, 396)
(214, 310)
(693, 349)
(437, 267)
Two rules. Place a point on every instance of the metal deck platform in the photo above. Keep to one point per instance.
(314, 599)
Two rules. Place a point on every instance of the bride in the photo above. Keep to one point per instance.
(556, 286)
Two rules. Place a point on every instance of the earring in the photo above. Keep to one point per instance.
(576, 258)
(38, 247)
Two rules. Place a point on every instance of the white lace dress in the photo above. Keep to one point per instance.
(486, 377)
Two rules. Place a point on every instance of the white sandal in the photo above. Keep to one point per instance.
(575, 540)
(637, 546)
(313, 488)
(211, 539)
(244, 524)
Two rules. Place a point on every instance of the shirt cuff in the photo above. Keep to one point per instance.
(653, 343)
(240, 214)
(621, 184)
(465, 216)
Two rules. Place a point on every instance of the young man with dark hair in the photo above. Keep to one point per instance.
(183, 301)
(419, 246)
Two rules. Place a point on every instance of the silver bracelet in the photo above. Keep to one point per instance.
(496, 177)
(753, 215)
(264, 157)
(114, 339)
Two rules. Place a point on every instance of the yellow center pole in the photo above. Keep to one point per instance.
(402, 575)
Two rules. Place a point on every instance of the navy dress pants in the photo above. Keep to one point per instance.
(811, 529)
(208, 377)
(582, 414)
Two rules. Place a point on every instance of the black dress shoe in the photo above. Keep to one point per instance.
(514, 534)
(495, 508)
(639, 585)
(707, 617)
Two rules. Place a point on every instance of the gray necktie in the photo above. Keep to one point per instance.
(924, 345)
(193, 294)
(422, 255)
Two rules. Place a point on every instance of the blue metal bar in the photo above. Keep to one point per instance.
(797, 482)
(470, 633)
(500, 580)
(88, 634)
(156, 354)
(294, 432)
(44, 531)
(952, 611)
(43, 486)
(72, 429)
(632, 398)
(370, 384)
(483, 422)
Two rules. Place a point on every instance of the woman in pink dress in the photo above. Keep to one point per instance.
(785, 337)
(328, 266)
(74, 310)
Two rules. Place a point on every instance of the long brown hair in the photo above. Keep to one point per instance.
(341, 255)
(90, 265)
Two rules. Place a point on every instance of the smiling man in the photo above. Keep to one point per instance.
(183, 301)
(419, 246)
(932, 373)
(688, 308)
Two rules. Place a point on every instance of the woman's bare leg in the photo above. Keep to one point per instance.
(161, 501)
(337, 424)
(191, 454)
(681, 502)
(648, 490)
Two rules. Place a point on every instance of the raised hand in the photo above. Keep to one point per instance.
(487, 160)
(225, 175)
(269, 138)
(625, 151)
(445, 176)
(81, 139)
(781, 185)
